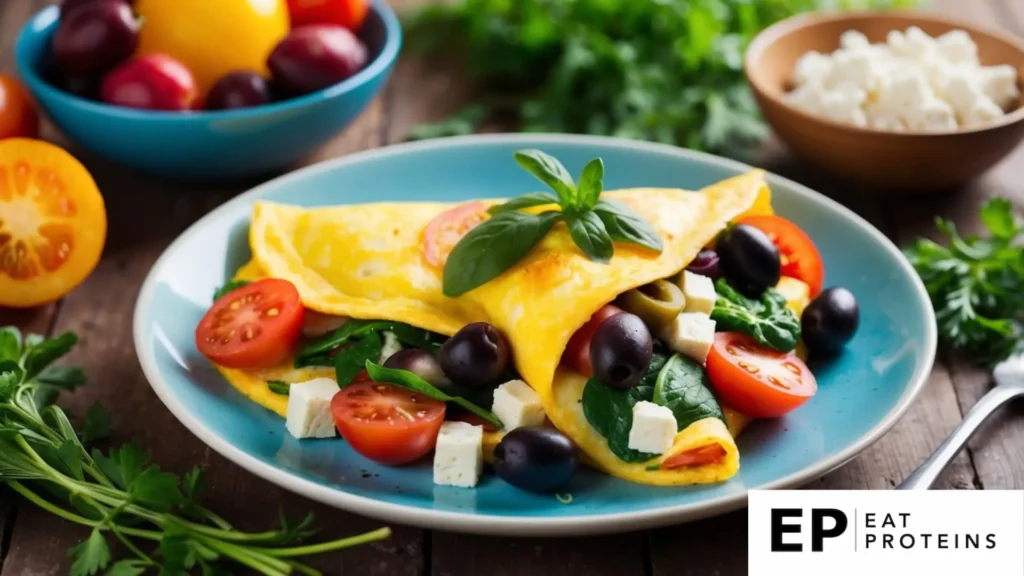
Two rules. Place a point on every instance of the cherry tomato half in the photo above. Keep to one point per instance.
(387, 423)
(447, 228)
(799, 256)
(756, 380)
(697, 457)
(255, 326)
(347, 13)
(18, 116)
(577, 351)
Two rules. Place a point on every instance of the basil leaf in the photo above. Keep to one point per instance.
(590, 235)
(493, 247)
(10, 343)
(768, 320)
(351, 360)
(279, 387)
(411, 381)
(550, 171)
(625, 225)
(591, 183)
(230, 286)
(315, 354)
(683, 387)
(524, 201)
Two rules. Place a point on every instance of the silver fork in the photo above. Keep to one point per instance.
(1009, 377)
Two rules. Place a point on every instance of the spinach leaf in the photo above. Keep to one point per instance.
(589, 233)
(550, 171)
(315, 354)
(610, 410)
(279, 387)
(492, 247)
(625, 225)
(768, 320)
(351, 360)
(683, 387)
(230, 286)
(525, 201)
(413, 382)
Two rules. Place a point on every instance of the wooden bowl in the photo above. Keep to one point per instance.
(893, 161)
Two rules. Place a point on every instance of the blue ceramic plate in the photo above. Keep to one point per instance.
(860, 396)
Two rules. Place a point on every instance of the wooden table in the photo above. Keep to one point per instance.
(145, 215)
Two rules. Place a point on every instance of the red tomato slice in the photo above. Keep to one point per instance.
(255, 326)
(756, 380)
(577, 351)
(347, 13)
(447, 228)
(800, 257)
(387, 423)
(696, 457)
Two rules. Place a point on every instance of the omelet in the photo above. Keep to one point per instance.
(366, 261)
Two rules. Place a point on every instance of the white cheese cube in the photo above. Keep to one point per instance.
(458, 454)
(983, 112)
(692, 334)
(699, 291)
(654, 428)
(930, 115)
(999, 83)
(812, 67)
(962, 92)
(886, 122)
(857, 68)
(309, 409)
(957, 47)
(388, 346)
(808, 97)
(918, 44)
(854, 40)
(517, 405)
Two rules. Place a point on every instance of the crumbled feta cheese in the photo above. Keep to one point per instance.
(654, 428)
(692, 334)
(983, 112)
(957, 47)
(999, 83)
(812, 67)
(309, 409)
(389, 345)
(699, 292)
(854, 40)
(857, 69)
(458, 454)
(517, 405)
(930, 116)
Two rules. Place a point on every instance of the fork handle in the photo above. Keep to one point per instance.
(928, 472)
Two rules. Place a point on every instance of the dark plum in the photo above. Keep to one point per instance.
(68, 5)
(706, 264)
(749, 259)
(238, 90)
(153, 82)
(475, 356)
(830, 321)
(621, 350)
(95, 37)
(535, 458)
(312, 58)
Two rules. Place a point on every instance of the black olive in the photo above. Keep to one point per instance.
(475, 356)
(420, 363)
(536, 458)
(621, 350)
(749, 260)
(706, 264)
(830, 321)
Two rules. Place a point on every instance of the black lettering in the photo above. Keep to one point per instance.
(869, 539)
(886, 540)
(991, 539)
(943, 541)
(925, 537)
(888, 522)
(905, 516)
(779, 528)
(869, 520)
(903, 541)
(973, 541)
(818, 531)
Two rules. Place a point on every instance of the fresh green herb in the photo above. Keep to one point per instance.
(230, 286)
(316, 354)
(564, 498)
(497, 244)
(119, 494)
(279, 387)
(610, 410)
(976, 284)
(666, 71)
(684, 388)
(768, 320)
(410, 380)
(351, 360)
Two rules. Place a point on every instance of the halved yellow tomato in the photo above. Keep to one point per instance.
(53, 223)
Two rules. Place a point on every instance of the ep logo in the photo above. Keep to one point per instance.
(822, 523)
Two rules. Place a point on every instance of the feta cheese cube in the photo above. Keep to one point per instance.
(918, 44)
(886, 122)
(309, 409)
(389, 345)
(517, 405)
(930, 116)
(808, 97)
(458, 454)
(999, 83)
(654, 428)
(699, 292)
(962, 92)
(692, 334)
(957, 47)
(811, 67)
(983, 112)
(854, 40)
(858, 69)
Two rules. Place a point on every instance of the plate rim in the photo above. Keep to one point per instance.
(502, 525)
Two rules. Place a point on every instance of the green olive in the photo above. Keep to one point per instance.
(657, 303)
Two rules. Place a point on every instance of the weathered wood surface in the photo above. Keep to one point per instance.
(142, 224)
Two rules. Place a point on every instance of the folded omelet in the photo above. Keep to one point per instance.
(366, 261)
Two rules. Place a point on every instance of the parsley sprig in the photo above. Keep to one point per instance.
(119, 494)
(497, 244)
(976, 284)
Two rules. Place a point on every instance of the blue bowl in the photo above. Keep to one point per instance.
(209, 145)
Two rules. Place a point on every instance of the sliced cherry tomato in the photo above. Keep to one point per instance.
(755, 380)
(347, 13)
(447, 228)
(577, 351)
(387, 423)
(18, 116)
(53, 223)
(697, 457)
(800, 257)
(252, 327)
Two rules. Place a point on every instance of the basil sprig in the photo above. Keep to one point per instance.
(412, 381)
(497, 244)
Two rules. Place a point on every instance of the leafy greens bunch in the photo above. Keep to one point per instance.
(668, 71)
(768, 320)
(119, 494)
(976, 284)
(496, 244)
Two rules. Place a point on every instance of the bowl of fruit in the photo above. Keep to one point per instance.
(201, 90)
